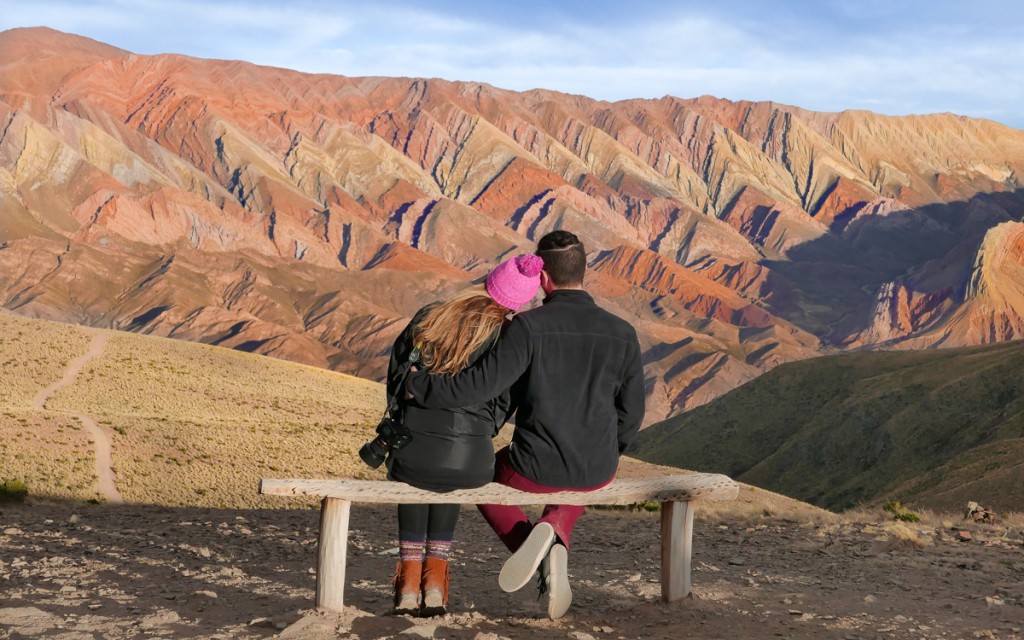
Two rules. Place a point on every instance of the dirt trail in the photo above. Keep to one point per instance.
(104, 458)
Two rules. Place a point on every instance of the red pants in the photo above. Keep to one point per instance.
(511, 523)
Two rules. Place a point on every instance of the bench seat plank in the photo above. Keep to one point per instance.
(674, 488)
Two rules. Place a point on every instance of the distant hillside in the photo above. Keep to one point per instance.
(307, 217)
(934, 429)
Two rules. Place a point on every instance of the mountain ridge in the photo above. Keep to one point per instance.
(224, 168)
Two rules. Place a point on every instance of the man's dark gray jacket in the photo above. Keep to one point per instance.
(576, 374)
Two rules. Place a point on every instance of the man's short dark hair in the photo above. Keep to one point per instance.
(565, 259)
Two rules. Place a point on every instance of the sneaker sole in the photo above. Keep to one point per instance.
(519, 569)
(559, 593)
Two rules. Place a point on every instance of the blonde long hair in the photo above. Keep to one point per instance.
(454, 329)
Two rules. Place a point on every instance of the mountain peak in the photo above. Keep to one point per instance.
(36, 59)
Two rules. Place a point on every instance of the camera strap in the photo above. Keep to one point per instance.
(413, 358)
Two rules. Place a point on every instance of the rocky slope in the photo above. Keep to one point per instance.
(308, 216)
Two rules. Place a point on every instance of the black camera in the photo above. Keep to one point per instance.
(391, 434)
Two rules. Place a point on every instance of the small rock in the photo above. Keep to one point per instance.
(205, 552)
(73, 519)
(22, 616)
(581, 635)
(633, 578)
(870, 599)
(964, 536)
(12, 531)
(261, 622)
(739, 562)
(207, 594)
(159, 619)
(389, 552)
(421, 630)
(485, 636)
(994, 602)
(94, 607)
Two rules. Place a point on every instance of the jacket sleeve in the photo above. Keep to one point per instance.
(503, 408)
(629, 401)
(489, 377)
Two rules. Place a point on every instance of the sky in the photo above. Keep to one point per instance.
(894, 57)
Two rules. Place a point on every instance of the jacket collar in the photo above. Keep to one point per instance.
(569, 295)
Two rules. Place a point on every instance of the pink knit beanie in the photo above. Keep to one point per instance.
(514, 282)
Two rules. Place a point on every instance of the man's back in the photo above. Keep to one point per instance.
(581, 398)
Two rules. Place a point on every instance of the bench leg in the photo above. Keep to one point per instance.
(676, 545)
(330, 566)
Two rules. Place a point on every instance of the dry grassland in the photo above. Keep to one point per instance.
(190, 424)
(48, 451)
(33, 355)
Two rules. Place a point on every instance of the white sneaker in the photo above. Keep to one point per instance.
(557, 581)
(522, 565)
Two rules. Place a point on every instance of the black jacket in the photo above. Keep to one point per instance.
(450, 448)
(577, 377)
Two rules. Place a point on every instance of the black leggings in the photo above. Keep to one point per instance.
(433, 521)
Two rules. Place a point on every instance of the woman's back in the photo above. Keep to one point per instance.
(450, 448)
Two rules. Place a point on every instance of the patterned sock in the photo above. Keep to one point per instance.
(410, 546)
(439, 548)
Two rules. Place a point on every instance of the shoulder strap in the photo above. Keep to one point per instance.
(413, 358)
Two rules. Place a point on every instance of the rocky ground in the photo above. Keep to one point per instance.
(126, 571)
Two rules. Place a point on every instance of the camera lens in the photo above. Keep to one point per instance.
(373, 453)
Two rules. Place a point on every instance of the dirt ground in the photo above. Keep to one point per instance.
(128, 571)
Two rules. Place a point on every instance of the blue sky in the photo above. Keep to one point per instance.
(891, 57)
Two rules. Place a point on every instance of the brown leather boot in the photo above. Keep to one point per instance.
(435, 587)
(408, 576)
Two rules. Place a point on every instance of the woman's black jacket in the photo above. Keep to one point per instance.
(450, 448)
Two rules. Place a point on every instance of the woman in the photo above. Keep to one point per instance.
(450, 448)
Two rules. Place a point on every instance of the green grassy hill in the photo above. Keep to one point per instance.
(930, 428)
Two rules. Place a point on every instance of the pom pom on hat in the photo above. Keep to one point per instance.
(514, 282)
(530, 264)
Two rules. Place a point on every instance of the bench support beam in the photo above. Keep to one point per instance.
(676, 546)
(330, 571)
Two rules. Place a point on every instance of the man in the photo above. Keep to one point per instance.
(576, 373)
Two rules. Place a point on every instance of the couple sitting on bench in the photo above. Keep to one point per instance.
(569, 370)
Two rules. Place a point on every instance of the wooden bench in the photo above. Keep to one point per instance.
(676, 493)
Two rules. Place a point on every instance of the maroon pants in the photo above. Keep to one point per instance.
(511, 523)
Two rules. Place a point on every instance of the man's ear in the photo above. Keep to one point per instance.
(546, 283)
